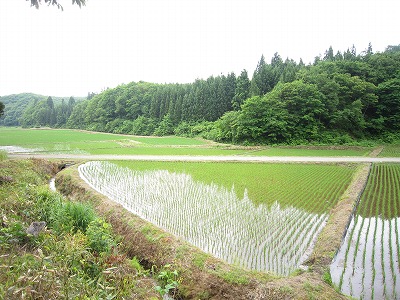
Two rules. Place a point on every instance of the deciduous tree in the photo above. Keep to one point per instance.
(56, 3)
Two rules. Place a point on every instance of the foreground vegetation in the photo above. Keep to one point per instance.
(75, 256)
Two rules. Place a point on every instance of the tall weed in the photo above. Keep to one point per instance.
(3, 155)
(61, 215)
(47, 205)
(75, 216)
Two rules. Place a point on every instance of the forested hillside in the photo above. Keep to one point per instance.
(15, 106)
(32, 110)
(339, 98)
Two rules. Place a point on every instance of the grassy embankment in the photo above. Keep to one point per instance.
(77, 256)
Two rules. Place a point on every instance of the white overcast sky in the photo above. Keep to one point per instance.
(109, 42)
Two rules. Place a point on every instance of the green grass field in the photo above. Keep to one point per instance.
(20, 136)
(75, 141)
(284, 151)
(315, 188)
(72, 141)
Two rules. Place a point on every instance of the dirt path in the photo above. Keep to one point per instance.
(260, 159)
(376, 152)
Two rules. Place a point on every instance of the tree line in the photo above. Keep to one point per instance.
(45, 113)
(339, 98)
(33, 110)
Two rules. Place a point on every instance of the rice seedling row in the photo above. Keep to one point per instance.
(390, 151)
(255, 236)
(367, 280)
(267, 183)
(367, 265)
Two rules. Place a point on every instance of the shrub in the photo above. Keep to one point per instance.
(75, 216)
(183, 129)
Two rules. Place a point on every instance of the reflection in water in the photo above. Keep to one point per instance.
(367, 264)
(17, 149)
(211, 217)
(52, 184)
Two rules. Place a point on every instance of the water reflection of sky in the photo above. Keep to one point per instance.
(367, 264)
(17, 149)
(211, 217)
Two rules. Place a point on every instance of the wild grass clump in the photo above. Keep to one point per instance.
(3, 155)
(72, 217)
(62, 215)
(100, 237)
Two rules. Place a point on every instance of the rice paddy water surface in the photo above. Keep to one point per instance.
(265, 237)
(367, 265)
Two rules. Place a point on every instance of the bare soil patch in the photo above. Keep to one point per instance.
(376, 152)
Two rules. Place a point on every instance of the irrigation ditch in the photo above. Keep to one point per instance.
(203, 276)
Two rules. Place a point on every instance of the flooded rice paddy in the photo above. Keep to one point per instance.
(367, 266)
(211, 217)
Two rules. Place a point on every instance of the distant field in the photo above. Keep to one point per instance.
(66, 140)
(147, 150)
(390, 151)
(19, 136)
(75, 141)
(169, 140)
(315, 188)
(283, 151)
